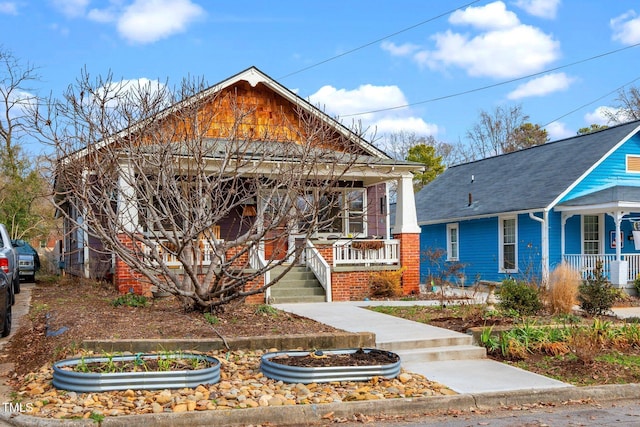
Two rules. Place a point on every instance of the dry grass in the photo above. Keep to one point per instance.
(563, 289)
(386, 283)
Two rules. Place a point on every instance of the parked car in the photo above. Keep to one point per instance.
(28, 260)
(9, 262)
(6, 296)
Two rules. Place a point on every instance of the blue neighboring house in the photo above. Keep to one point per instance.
(521, 214)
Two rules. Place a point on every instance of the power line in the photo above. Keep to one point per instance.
(377, 41)
(592, 102)
(440, 98)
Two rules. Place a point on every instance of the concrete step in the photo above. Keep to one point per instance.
(456, 352)
(296, 299)
(304, 283)
(308, 291)
(300, 273)
(427, 343)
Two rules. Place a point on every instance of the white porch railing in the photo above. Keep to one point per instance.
(171, 260)
(319, 266)
(366, 252)
(585, 264)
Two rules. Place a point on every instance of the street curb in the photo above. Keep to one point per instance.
(315, 414)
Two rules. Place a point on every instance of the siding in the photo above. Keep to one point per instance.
(612, 171)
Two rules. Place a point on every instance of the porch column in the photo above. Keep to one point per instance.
(406, 218)
(408, 232)
(127, 207)
(619, 269)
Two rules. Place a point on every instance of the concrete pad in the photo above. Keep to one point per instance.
(626, 312)
(481, 376)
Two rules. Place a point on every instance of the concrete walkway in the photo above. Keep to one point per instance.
(463, 376)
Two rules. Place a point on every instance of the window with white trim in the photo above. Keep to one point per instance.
(453, 242)
(508, 245)
(590, 234)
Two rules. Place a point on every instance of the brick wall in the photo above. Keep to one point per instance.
(127, 280)
(410, 260)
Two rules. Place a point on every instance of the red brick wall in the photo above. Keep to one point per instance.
(127, 280)
(410, 260)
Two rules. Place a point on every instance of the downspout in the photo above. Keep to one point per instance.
(544, 237)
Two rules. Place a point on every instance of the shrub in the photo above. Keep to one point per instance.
(520, 297)
(564, 282)
(386, 283)
(636, 284)
(596, 295)
(131, 300)
(584, 345)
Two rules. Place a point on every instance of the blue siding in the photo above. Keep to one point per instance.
(479, 249)
(612, 171)
(555, 239)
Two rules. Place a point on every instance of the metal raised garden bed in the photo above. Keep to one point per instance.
(305, 375)
(85, 382)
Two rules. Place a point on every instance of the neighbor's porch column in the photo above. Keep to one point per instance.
(619, 269)
(407, 231)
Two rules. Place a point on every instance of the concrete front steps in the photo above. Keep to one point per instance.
(297, 286)
(454, 347)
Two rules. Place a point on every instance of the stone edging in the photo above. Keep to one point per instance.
(323, 341)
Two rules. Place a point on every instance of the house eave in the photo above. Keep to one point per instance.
(483, 216)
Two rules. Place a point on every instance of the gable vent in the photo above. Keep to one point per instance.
(633, 163)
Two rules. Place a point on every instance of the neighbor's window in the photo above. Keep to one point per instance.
(452, 242)
(633, 163)
(591, 234)
(508, 247)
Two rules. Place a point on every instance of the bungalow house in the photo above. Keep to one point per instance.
(523, 213)
(340, 256)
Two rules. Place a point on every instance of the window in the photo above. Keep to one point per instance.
(633, 163)
(508, 245)
(591, 234)
(452, 242)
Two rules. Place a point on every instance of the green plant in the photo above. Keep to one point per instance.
(266, 309)
(596, 295)
(519, 296)
(211, 318)
(636, 284)
(130, 300)
(96, 417)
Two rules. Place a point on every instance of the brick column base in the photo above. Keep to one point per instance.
(410, 261)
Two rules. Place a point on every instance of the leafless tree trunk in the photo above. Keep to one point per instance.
(161, 174)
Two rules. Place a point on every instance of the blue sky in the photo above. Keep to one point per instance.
(423, 67)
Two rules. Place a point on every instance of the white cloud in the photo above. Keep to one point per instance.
(399, 50)
(558, 130)
(8, 8)
(342, 102)
(147, 21)
(102, 15)
(603, 114)
(491, 16)
(540, 8)
(507, 53)
(626, 28)
(71, 8)
(502, 48)
(541, 86)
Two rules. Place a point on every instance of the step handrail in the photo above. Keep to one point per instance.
(320, 268)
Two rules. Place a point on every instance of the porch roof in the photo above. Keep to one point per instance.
(618, 197)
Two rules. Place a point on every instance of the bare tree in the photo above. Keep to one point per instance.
(398, 145)
(627, 106)
(23, 192)
(200, 180)
(502, 131)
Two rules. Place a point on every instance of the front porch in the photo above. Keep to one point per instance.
(586, 264)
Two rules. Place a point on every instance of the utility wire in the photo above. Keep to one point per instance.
(376, 41)
(592, 102)
(466, 92)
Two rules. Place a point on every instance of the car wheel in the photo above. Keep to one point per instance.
(16, 285)
(7, 317)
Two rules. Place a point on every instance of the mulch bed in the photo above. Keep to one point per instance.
(359, 357)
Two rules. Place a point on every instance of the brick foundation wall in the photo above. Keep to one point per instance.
(125, 279)
(410, 261)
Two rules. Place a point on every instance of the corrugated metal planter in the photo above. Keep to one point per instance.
(305, 375)
(86, 382)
